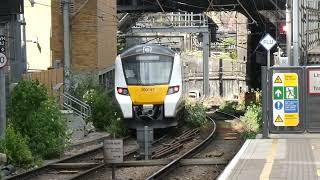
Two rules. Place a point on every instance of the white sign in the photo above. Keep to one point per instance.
(3, 60)
(314, 81)
(113, 150)
(268, 42)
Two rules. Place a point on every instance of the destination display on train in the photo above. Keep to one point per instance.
(148, 58)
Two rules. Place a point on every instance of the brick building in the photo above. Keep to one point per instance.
(93, 35)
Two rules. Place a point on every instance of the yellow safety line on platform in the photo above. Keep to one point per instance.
(265, 174)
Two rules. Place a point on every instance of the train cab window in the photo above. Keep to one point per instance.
(147, 69)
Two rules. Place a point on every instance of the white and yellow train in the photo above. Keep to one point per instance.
(148, 86)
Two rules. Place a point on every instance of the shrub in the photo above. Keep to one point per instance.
(48, 136)
(25, 99)
(195, 114)
(81, 85)
(102, 109)
(252, 120)
(232, 107)
(16, 148)
(233, 55)
(117, 129)
(38, 119)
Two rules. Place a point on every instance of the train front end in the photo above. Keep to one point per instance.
(148, 86)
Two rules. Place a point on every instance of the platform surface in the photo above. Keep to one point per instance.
(276, 159)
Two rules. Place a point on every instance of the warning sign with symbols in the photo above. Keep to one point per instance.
(285, 99)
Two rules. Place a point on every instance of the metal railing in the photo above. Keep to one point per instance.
(79, 107)
(173, 20)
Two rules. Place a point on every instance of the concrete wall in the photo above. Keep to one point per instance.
(38, 27)
(93, 34)
(227, 77)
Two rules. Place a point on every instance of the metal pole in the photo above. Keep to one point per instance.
(288, 25)
(295, 32)
(264, 79)
(307, 38)
(268, 59)
(205, 48)
(24, 43)
(3, 97)
(66, 40)
(146, 143)
(2, 103)
(113, 172)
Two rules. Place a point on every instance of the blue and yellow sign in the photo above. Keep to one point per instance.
(285, 99)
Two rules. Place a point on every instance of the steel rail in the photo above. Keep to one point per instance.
(169, 167)
(35, 172)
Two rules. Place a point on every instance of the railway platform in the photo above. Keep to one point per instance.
(287, 157)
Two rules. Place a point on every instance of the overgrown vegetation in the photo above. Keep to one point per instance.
(233, 55)
(230, 41)
(250, 116)
(252, 120)
(195, 114)
(35, 123)
(15, 146)
(233, 107)
(105, 113)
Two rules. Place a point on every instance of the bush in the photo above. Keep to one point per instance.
(16, 148)
(252, 120)
(25, 100)
(233, 55)
(195, 115)
(117, 129)
(232, 107)
(38, 119)
(48, 136)
(81, 85)
(103, 111)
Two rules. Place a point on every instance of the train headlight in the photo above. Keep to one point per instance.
(173, 89)
(122, 91)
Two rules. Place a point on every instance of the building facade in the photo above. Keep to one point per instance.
(93, 25)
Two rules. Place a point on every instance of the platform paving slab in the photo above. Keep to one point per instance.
(277, 159)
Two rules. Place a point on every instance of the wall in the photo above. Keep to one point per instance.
(227, 77)
(93, 34)
(107, 33)
(50, 78)
(36, 31)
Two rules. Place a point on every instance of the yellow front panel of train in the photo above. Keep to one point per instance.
(148, 94)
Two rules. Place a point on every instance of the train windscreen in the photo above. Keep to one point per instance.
(147, 69)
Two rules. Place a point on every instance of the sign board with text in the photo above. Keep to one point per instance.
(3, 60)
(113, 150)
(268, 42)
(285, 99)
(314, 81)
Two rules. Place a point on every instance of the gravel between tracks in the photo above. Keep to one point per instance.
(219, 149)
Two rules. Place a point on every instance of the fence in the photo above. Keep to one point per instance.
(50, 78)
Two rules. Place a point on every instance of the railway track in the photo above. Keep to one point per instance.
(175, 163)
(156, 167)
(170, 153)
(70, 167)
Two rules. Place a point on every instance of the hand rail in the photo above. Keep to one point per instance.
(79, 107)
